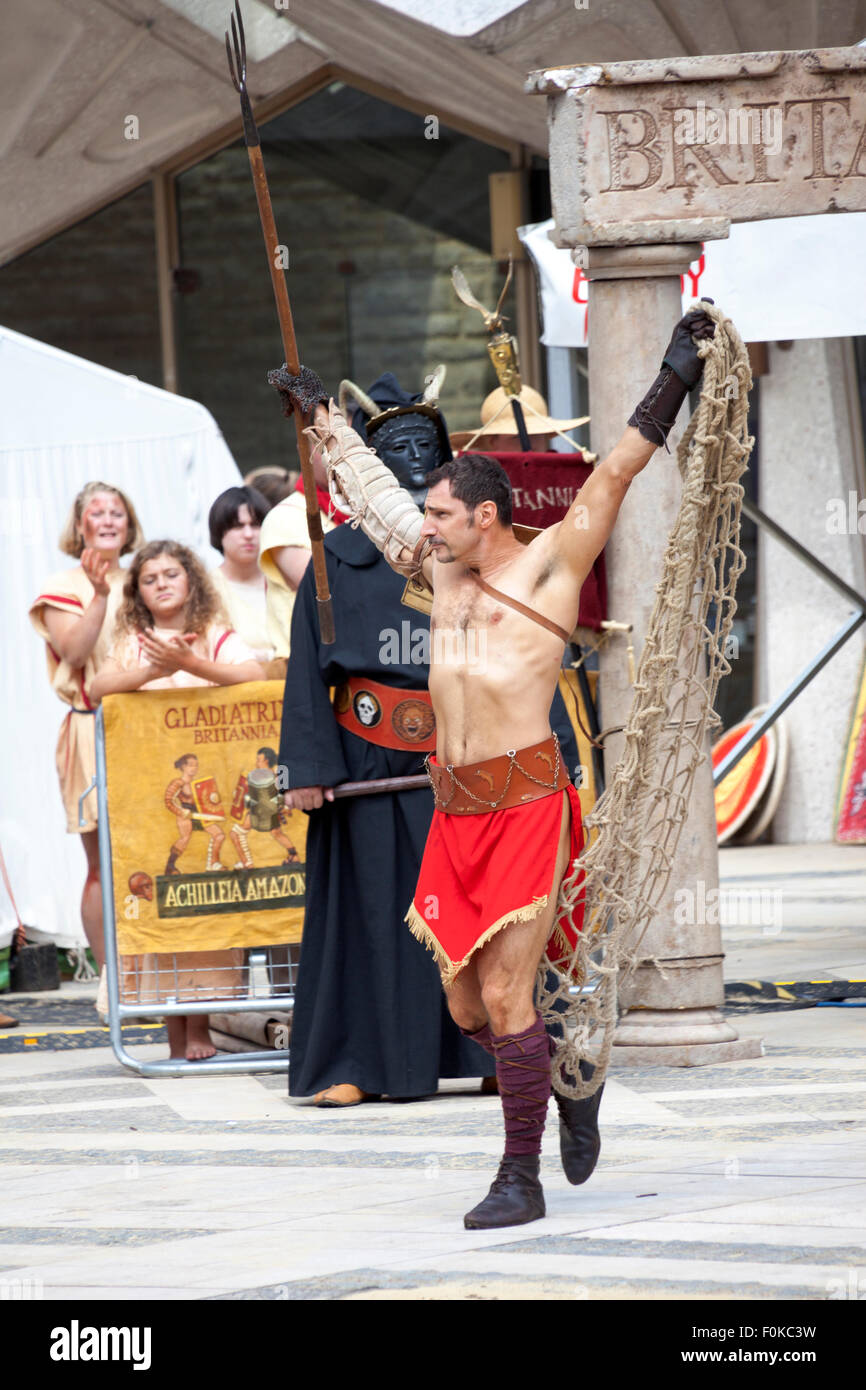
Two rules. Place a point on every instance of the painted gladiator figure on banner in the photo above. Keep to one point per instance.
(507, 819)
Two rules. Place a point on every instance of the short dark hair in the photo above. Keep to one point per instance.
(269, 756)
(187, 757)
(224, 513)
(476, 478)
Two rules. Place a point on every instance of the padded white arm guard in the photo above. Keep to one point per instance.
(364, 487)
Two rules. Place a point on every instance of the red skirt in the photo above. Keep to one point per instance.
(481, 873)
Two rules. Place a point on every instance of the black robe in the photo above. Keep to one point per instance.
(369, 1006)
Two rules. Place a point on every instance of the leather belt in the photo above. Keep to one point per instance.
(497, 784)
(519, 607)
(381, 714)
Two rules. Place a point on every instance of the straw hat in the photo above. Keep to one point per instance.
(497, 417)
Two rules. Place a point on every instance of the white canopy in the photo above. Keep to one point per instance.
(63, 422)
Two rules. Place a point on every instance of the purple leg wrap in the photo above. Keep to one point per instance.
(523, 1075)
(484, 1038)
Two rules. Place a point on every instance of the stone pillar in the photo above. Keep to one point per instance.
(811, 442)
(671, 1013)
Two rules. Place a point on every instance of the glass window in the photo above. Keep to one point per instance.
(374, 206)
(91, 290)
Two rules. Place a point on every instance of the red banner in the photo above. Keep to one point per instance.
(544, 486)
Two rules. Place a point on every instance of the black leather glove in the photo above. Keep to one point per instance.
(302, 392)
(682, 353)
(681, 370)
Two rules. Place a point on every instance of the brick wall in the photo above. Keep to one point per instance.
(92, 291)
(390, 307)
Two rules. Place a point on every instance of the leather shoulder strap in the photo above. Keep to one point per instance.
(530, 613)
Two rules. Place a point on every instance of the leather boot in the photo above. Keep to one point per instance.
(579, 1140)
(515, 1196)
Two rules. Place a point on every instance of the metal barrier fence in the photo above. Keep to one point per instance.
(180, 958)
(264, 980)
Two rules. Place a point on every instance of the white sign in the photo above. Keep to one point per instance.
(792, 277)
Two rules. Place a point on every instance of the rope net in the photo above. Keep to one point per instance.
(634, 828)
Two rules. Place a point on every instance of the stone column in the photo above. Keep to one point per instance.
(671, 1012)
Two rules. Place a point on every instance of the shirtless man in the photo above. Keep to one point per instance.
(506, 824)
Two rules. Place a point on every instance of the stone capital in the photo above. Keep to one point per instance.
(635, 262)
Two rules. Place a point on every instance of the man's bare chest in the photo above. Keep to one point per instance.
(519, 595)
(461, 606)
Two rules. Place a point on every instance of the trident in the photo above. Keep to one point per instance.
(238, 71)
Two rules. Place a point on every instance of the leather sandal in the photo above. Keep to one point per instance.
(325, 1101)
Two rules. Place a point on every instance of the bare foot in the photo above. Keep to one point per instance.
(176, 1028)
(336, 1096)
(198, 1043)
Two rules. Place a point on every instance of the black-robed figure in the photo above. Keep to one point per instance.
(370, 1012)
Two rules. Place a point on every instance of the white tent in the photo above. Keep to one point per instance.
(63, 422)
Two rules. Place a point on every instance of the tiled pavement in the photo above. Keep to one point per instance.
(746, 1180)
(738, 1181)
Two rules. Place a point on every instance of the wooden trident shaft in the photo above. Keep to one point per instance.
(238, 70)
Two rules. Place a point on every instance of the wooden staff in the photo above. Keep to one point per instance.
(381, 784)
(238, 70)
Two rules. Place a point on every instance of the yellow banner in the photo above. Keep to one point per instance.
(205, 855)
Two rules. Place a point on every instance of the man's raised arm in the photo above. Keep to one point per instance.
(361, 484)
(584, 531)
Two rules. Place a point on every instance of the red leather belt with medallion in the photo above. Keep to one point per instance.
(381, 714)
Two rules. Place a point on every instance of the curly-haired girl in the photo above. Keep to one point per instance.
(171, 629)
(171, 632)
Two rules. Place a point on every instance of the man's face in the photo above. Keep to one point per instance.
(410, 447)
(449, 525)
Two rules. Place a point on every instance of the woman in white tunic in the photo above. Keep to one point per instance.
(74, 615)
(235, 523)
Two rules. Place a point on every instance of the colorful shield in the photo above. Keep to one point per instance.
(207, 797)
(239, 805)
(851, 804)
(739, 794)
(754, 827)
